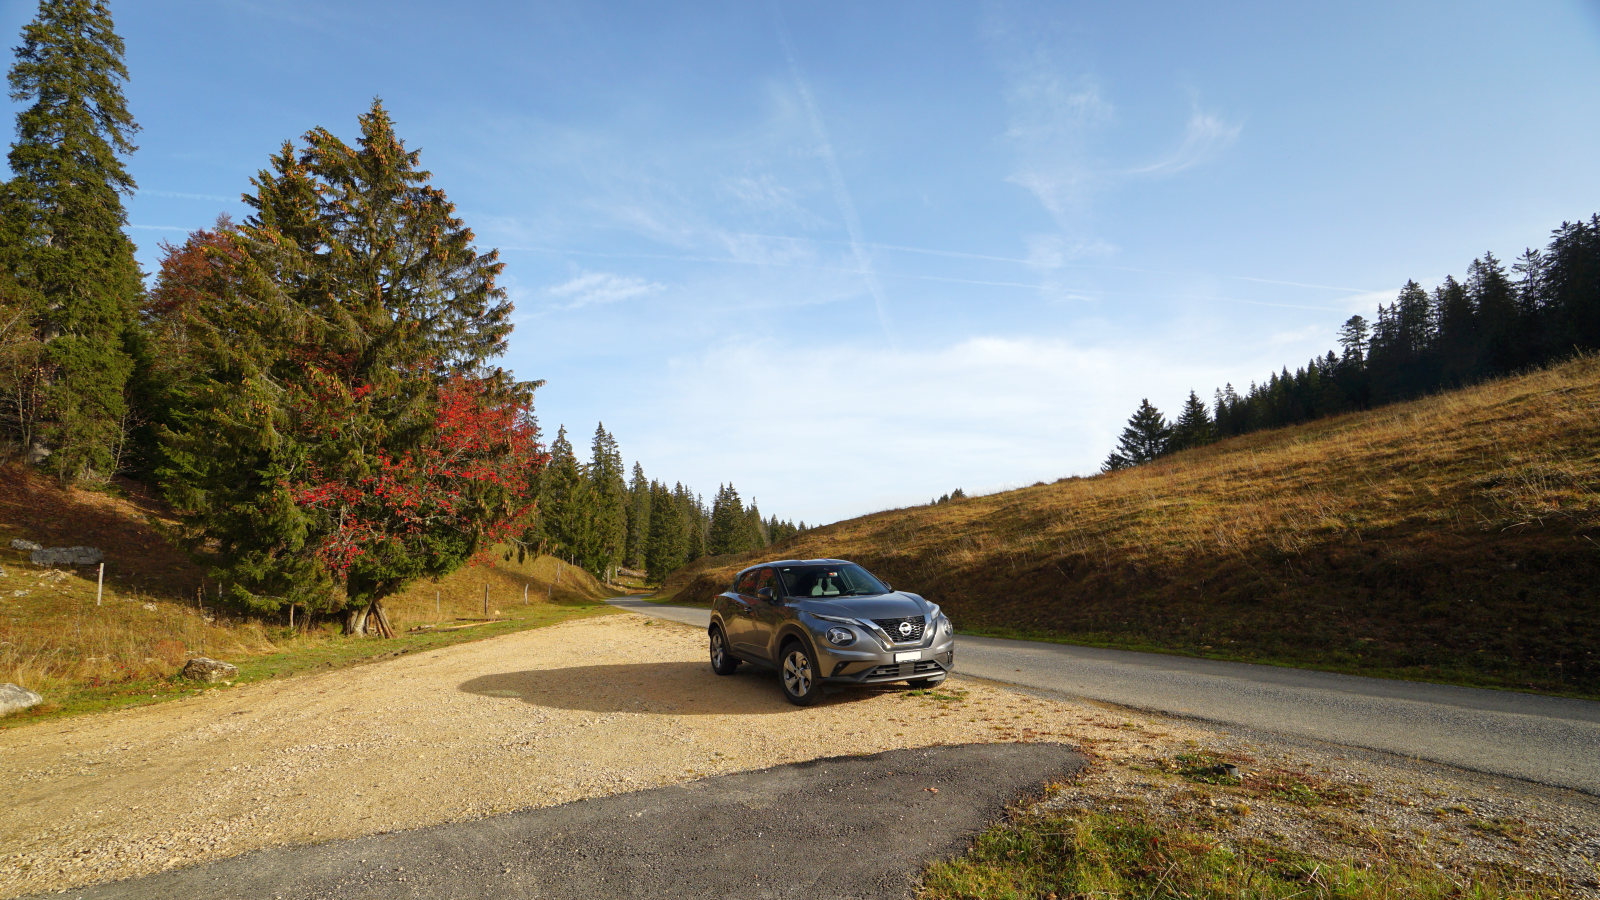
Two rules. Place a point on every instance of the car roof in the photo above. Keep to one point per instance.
(798, 562)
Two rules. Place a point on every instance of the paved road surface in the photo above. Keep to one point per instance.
(1543, 739)
(848, 827)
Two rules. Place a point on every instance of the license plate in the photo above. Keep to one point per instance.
(913, 656)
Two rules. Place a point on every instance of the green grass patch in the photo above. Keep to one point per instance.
(1056, 856)
(319, 651)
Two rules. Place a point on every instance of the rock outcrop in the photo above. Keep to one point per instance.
(204, 668)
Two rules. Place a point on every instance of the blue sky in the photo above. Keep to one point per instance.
(851, 256)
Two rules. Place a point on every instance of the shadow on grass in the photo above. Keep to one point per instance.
(664, 688)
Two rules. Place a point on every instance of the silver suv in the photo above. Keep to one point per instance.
(817, 620)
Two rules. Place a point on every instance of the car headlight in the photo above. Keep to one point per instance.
(841, 637)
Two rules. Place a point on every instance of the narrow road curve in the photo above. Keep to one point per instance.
(1548, 740)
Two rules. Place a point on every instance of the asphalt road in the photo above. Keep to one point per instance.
(1547, 740)
(847, 827)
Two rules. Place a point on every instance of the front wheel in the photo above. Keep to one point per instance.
(722, 662)
(925, 683)
(799, 673)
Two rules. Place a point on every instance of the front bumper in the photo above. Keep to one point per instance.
(871, 664)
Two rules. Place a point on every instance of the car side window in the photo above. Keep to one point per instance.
(746, 583)
(768, 578)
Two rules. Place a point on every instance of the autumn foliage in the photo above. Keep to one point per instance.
(333, 427)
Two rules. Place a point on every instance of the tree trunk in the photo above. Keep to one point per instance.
(378, 620)
(355, 620)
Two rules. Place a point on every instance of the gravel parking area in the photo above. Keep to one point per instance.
(617, 704)
(584, 709)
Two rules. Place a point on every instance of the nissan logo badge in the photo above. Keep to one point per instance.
(905, 629)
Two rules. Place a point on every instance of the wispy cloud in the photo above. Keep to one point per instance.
(841, 192)
(596, 288)
(182, 195)
(1205, 136)
(1051, 124)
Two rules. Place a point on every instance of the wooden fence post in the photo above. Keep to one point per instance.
(100, 584)
(486, 599)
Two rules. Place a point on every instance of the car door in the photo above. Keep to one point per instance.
(766, 615)
(740, 618)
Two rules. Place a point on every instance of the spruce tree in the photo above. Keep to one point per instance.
(664, 548)
(63, 242)
(694, 524)
(1194, 426)
(608, 501)
(727, 523)
(342, 432)
(1144, 438)
(638, 518)
(565, 517)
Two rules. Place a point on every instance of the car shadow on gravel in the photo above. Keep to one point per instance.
(667, 688)
(842, 828)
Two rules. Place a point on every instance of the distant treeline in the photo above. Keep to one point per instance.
(1494, 323)
(589, 516)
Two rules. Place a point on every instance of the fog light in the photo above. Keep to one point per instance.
(841, 637)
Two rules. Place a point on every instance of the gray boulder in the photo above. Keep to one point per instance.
(14, 698)
(25, 546)
(66, 556)
(203, 668)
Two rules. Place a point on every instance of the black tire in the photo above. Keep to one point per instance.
(722, 662)
(924, 683)
(797, 670)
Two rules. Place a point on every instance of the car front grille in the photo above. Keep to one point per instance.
(892, 628)
(907, 670)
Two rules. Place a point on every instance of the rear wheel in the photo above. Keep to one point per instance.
(722, 662)
(799, 674)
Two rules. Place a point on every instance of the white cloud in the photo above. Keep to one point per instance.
(1205, 136)
(594, 288)
(1051, 126)
(820, 430)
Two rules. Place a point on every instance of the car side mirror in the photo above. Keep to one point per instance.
(767, 595)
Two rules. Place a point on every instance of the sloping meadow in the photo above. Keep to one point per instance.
(1455, 538)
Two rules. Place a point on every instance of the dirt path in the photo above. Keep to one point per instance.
(621, 703)
(584, 709)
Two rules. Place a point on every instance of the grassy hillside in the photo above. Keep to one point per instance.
(158, 610)
(1455, 538)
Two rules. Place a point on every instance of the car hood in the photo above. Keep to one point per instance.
(893, 605)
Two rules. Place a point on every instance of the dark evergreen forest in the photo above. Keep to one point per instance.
(1495, 322)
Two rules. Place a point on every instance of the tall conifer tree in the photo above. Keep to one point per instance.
(343, 432)
(638, 518)
(608, 505)
(1144, 438)
(1194, 426)
(63, 240)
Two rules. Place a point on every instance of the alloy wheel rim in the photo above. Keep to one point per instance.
(797, 673)
(716, 649)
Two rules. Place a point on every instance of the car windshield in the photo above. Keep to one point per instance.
(824, 582)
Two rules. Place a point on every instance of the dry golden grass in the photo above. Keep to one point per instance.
(1453, 538)
(157, 611)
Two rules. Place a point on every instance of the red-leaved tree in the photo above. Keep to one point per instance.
(338, 431)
